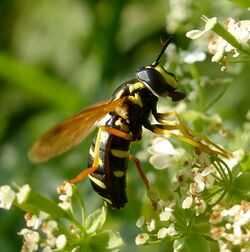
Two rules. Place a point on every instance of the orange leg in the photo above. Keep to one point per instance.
(82, 175)
(151, 195)
(140, 170)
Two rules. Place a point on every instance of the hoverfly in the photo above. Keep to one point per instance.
(129, 111)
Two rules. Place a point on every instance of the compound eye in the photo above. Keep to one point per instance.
(154, 81)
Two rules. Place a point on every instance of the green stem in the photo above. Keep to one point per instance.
(212, 194)
(220, 198)
(83, 210)
(35, 203)
(217, 98)
(220, 171)
(73, 220)
(221, 162)
(226, 35)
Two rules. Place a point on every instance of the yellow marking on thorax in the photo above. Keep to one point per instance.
(119, 153)
(122, 111)
(135, 86)
(136, 99)
(124, 127)
(169, 78)
(118, 174)
(97, 181)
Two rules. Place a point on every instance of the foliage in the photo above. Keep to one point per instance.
(57, 57)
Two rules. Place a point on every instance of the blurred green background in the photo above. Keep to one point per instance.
(57, 57)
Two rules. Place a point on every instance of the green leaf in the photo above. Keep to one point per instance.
(245, 163)
(179, 245)
(95, 221)
(202, 225)
(104, 241)
(115, 241)
(242, 182)
(36, 202)
(196, 243)
(38, 83)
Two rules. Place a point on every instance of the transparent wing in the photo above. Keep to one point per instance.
(70, 132)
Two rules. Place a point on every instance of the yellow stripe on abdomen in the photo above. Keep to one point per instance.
(119, 153)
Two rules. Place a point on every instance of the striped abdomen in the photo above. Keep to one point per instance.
(109, 180)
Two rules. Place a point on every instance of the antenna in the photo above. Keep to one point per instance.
(165, 45)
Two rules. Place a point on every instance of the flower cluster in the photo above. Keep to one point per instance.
(200, 184)
(43, 232)
(233, 38)
(154, 228)
(54, 227)
(8, 195)
(231, 226)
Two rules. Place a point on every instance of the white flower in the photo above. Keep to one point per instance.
(194, 34)
(151, 225)
(141, 239)
(164, 154)
(162, 233)
(23, 194)
(66, 202)
(209, 181)
(216, 216)
(196, 188)
(166, 214)
(240, 30)
(61, 241)
(207, 171)
(50, 240)
(200, 184)
(30, 240)
(200, 206)
(47, 249)
(237, 156)
(244, 218)
(217, 47)
(171, 230)
(195, 56)
(187, 202)
(203, 179)
(7, 196)
(220, 47)
(237, 232)
(66, 189)
(49, 227)
(224, 246)
(33, 221)
(140, 222)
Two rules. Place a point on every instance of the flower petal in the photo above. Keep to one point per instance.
(194, 34)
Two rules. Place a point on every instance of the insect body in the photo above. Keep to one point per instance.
(109, 179)
(129, 111)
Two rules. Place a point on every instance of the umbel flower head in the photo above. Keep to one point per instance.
(52, 226)
(232, 40)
